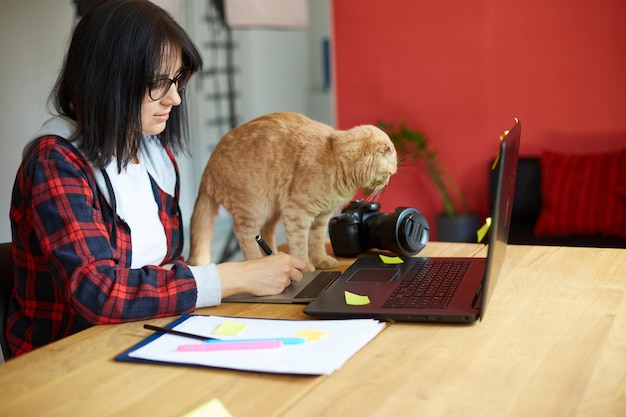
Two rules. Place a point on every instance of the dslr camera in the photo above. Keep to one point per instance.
(361, 226)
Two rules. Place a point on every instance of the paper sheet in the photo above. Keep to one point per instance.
(335, 342)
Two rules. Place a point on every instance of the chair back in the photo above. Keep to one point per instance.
(6, 287)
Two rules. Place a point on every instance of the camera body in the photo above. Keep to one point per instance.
(361, 226)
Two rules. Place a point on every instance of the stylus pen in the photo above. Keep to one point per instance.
(263, 245)
(176, 332)
(266, 249)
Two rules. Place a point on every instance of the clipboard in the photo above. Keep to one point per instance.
(330, 343)
(124, 356)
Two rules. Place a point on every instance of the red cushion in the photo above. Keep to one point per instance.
(582, 195)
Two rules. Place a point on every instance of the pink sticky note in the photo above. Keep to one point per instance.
(217, 346)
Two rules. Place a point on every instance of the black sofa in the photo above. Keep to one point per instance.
(527, 206)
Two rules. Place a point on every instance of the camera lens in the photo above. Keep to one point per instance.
(404, 232)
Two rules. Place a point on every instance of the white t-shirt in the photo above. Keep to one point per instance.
(140, 212)
(136, 206)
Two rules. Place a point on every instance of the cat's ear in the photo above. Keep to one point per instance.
(383, 144)
(355, 133)
(349, 140)
(385, 149)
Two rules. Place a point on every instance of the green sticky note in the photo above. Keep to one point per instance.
(229, 328)
(480, 233)
(391, 260)
(213, 408)
(356, 300)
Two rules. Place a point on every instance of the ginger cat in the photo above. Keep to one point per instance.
(287, 166)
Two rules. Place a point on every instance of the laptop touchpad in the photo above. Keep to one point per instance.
(373, 275)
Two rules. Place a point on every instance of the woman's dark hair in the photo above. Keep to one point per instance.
(118, 48)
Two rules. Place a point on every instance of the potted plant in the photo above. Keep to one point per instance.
(456, 223)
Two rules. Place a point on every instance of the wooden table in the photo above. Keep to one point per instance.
(553, 343)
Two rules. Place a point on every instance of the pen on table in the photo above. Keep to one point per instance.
(263, 245)
(176, 332)
(282, 340)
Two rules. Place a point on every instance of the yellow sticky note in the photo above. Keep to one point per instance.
(356, 300)
(213, 408)
(480, 233)
(230, 328)
(495, 162)
(310, 335)
(391, 260)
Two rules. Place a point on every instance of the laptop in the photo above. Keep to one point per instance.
(402, 292)
(311, 285)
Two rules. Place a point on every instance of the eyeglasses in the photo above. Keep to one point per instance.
(159, 88)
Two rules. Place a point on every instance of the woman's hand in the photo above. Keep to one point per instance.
(264, 276)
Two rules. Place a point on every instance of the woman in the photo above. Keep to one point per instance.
(96, 225)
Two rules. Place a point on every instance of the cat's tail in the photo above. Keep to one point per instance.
(201, 228)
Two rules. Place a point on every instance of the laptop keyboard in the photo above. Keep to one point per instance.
(431, 287)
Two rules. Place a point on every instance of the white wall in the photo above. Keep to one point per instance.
(279, 71)
(33, 37)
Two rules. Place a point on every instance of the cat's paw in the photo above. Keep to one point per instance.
(309, 267)
(326, 262)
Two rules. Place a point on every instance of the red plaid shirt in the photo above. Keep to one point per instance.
(73, 254)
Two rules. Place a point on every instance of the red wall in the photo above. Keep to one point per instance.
(461, 70)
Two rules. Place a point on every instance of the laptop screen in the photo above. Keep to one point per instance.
(506, 165)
